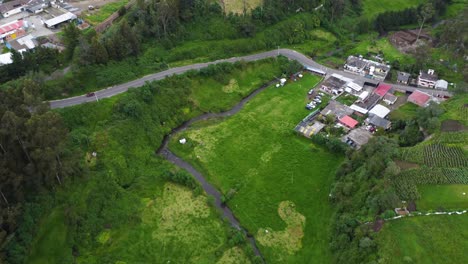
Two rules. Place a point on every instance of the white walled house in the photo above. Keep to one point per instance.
(427, 79)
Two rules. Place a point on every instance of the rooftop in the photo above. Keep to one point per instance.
(5, 7)
(382, 89)
(403, 76)
(419, 98)
(441, 84)
(11, 26)
(360, 136)
(429, 75)
(390, 97)
(380, 122)
(379, 110)
(349, 121)
(337, 109)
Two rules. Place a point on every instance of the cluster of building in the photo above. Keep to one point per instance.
(427, 79)
(371, 107)
(16, 28)
(368, 68)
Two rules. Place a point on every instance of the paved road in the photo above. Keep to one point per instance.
(291, 54)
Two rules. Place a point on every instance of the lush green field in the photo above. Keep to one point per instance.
(371, 8)
(99, 15)
(371, 43)
(455, 109)
(126, 206)
(406, 111)
(276, 183)
(433, 197)
(425, 239)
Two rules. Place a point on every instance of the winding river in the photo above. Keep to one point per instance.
(210, 189)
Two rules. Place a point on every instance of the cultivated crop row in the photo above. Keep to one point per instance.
(407, 181)
(435, 155)
(452, 138)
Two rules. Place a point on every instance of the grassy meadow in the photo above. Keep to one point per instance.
(126, 207)
(238, 6)
(372, 8)
(425, 239)
(406, 111)
(276, 182)
(435, 197)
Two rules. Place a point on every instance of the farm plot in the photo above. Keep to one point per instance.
(276, 182)
(436, 155)
(407, 181)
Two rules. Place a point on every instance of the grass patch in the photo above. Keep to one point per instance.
(425, 239)
(435, 197)
(347, 99)
(99, 15)
(238, 6)
(51, 236)
(257, 161)
(372, 8)
(371, 43)
(406, 111)
(456, 109)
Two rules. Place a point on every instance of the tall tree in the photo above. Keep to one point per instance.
(427, 12)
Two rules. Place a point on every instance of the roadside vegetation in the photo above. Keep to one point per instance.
(124, 201)
(275, 182)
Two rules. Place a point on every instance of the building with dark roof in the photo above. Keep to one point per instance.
(337, 109)
(390, 99)
(13, 7)
(379, 122)
(403, 77)
(427, 79)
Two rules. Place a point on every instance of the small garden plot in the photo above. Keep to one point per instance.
(436, 155)
(99, 15)
(346, 99)
(452, 126)
(407, 182)
(443, 197)
(405, 112)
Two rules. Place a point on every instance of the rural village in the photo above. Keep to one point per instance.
(360, 107)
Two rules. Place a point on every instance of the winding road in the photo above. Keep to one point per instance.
(291, 54)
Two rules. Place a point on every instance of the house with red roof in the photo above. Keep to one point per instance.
(348, 121)
(382, 89)
(420, 98)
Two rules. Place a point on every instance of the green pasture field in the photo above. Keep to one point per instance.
(128, 211)
(276, 182)
(406, 111)
(435, 197)
(372, 8)
(371, 43)
(425, 239)
(99, 15)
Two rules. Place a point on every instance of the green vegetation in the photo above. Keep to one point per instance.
(425, 239)
(445, 197)
(126, 206)
(347, 99)
(371, 8)
(276, 183)
(372, 44)
(99, 15)
(455, 109)
(238, 6)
